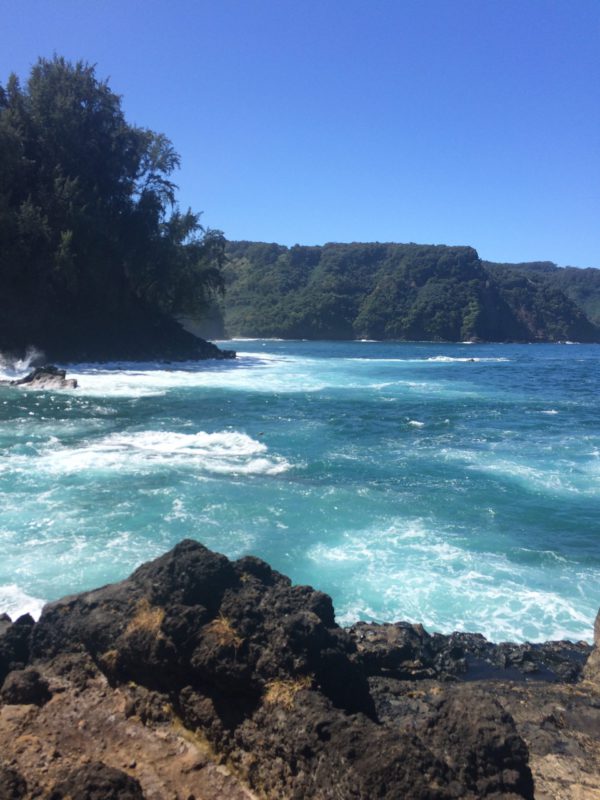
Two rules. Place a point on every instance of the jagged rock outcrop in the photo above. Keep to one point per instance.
(48, 377)
(14, 643)
(407, 652)
(257, 668)
(592, 668)
(260, 667)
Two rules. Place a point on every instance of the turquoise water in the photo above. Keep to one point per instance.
(456, 485)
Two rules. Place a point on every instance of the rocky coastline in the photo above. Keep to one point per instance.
(201, 677)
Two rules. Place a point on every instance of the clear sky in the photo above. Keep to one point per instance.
(306, 121)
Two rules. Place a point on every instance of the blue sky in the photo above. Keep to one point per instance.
(440, 121)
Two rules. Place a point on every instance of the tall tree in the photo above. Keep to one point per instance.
(88, 215)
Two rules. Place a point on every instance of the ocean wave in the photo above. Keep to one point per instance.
(429, 359)
(222, 453)
(452, 359)
(554, 478)
(13, 368)
(255, 371)
(414, 570)
(15, 602)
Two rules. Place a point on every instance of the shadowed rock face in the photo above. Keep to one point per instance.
(96, 781)
(25, 686)
(592, 667)
(260, 668)
(12, 783)
(14, 643)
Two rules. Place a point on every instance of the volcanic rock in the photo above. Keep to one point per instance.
(96, 781)
(14, 643)
(12, 783)
(260, 667)
(25, 686)
(48, 377)
(203, 676)
(592, 668)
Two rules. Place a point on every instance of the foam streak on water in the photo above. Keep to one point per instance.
(456, 485)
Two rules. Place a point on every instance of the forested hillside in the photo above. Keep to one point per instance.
(95, 257)
(393, 291)
(581, 285)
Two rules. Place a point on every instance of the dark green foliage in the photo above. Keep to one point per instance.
(582, 286)
(89, 229)
(392, 291)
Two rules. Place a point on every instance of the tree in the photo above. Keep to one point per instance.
(88, 213)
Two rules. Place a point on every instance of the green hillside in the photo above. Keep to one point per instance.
(582, 286)
(393, 291)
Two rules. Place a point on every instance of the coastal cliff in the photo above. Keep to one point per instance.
(202, 677)
(404, 292)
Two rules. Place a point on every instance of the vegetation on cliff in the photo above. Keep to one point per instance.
(582, 286)
(94, 252)
(396, 291)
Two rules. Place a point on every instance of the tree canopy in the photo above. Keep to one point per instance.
(394, 291)
(88, 215)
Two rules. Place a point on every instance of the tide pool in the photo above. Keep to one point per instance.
(454, 485)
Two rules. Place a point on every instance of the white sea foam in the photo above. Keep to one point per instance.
(11, 368)
(451, 359)
(561, 476)
(429, 359)
(222, 453)
(259, 372)
(416, 423)
(15, 602)
(419, 572)
(550, 411)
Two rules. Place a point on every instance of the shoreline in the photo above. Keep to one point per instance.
(197, 666)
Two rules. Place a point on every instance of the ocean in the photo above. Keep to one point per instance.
(457, 485)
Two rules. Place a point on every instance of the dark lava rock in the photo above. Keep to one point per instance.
(592, 668)
(480, 744)
(260, 667)
(48, 377)
(193, 617)
(97, 781)
(25, 686)
(14, 643)
(77, 668)
(12, 783)
(407, 652)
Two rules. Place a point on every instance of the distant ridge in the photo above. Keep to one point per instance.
(402, 292)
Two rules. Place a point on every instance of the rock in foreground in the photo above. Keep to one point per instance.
(198, 676)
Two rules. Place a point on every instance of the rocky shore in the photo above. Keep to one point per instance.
(199, 677)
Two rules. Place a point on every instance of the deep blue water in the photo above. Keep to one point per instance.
(456, 485)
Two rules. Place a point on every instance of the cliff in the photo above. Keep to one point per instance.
(202, 677)
(395, 291)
